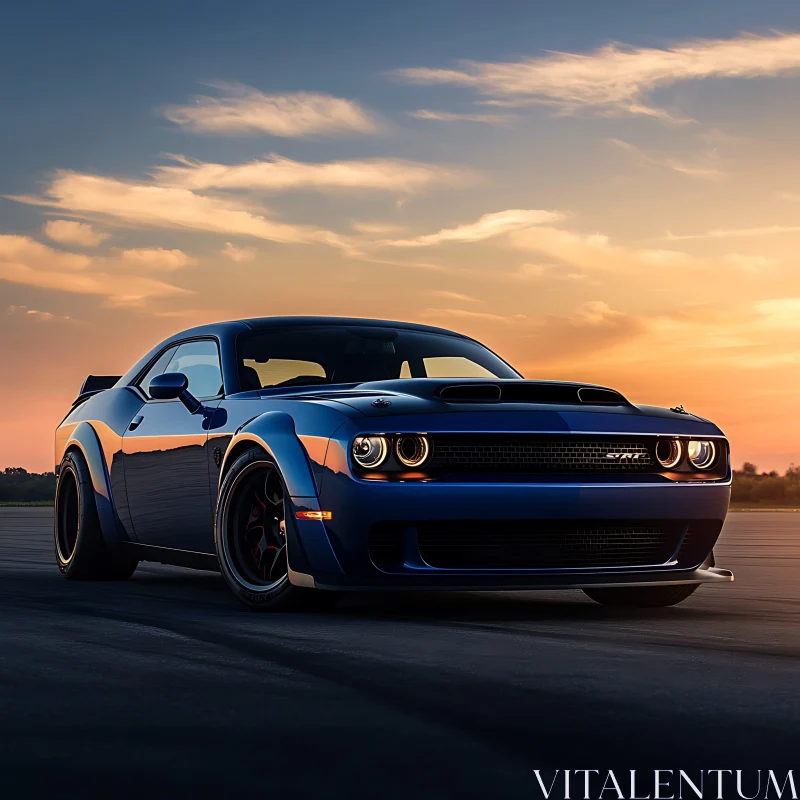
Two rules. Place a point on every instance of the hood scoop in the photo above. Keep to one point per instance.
(530, 392)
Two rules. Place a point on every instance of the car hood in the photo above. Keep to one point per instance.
(512, 404)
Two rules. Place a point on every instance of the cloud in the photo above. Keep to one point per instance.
(567, 339)
(447, 116)
(198, 316)
(592, 327)
(460, 313)
(238, 254)
(748, 263)
(464, 298)
(596, 312)
(618, 78)
(596, 252)
(538, 272)
(39, 316)
(279, 174)
(155, 206)
(489, 225)
(25, 261)
(734, 233)
(380, 228)
(244, 110)
(155, 258)
(693, 170)
(747, 336)
(783, 312)
(66, 231)
(792, 197)
(23, 249)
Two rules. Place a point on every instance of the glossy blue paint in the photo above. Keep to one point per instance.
(156, 480)
(84, 438)
(166, 468)
(275, 432)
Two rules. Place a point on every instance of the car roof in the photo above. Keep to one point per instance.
(265, 323)
(226, 332)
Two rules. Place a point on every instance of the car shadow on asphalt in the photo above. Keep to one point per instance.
(187, 588)
(443, 606)
(500, 607)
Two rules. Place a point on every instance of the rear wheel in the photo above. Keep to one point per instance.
(643, 596)
(251, 535)
(81, 551)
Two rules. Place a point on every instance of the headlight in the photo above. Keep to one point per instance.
(412, 451)
(702, 453)
(669, 452)
(370, 451)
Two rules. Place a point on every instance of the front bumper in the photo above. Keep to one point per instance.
(497, 583)
(336, 554)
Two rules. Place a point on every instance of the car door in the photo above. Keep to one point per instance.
(164, 453)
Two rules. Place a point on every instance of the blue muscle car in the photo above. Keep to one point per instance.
(303, 455)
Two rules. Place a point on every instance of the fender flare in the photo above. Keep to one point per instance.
(84, 438)
(275, 432)
(309, 549)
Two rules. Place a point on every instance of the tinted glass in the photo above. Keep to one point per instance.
(158, 368)
(455, 367)
(284, 371)
(199, 362)
(305, 356)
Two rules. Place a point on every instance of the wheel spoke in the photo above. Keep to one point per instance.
(279, 553)
(273, 490)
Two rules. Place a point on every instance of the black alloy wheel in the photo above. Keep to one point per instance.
(256, 529)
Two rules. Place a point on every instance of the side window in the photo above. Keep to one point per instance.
(158, 368)
(199, 362)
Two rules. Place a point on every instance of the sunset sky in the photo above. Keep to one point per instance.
(604, 192)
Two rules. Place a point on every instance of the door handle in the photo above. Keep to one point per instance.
(136, 422)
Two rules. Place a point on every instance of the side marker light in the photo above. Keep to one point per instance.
(314, 515)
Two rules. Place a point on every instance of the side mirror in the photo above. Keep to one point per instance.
(174, 386)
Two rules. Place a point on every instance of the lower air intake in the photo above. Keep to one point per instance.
(526, 544)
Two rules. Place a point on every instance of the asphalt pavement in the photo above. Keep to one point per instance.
(166, 686)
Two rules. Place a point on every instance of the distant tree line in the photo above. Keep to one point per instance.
(750, 487)
(17, 485)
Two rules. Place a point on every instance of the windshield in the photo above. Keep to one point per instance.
(307, 355)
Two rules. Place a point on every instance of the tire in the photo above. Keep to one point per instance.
(643, 596)
(81, 552)
(250, 535)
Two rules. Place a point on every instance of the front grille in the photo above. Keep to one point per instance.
(525, 544)
(531, 453)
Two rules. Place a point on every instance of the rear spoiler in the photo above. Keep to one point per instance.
(94, 384)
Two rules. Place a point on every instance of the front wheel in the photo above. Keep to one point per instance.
(643, 596)
(251, 535)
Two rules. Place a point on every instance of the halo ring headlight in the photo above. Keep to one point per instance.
(702, 453)
(370, 452)
(669, 452)
(412, 451)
